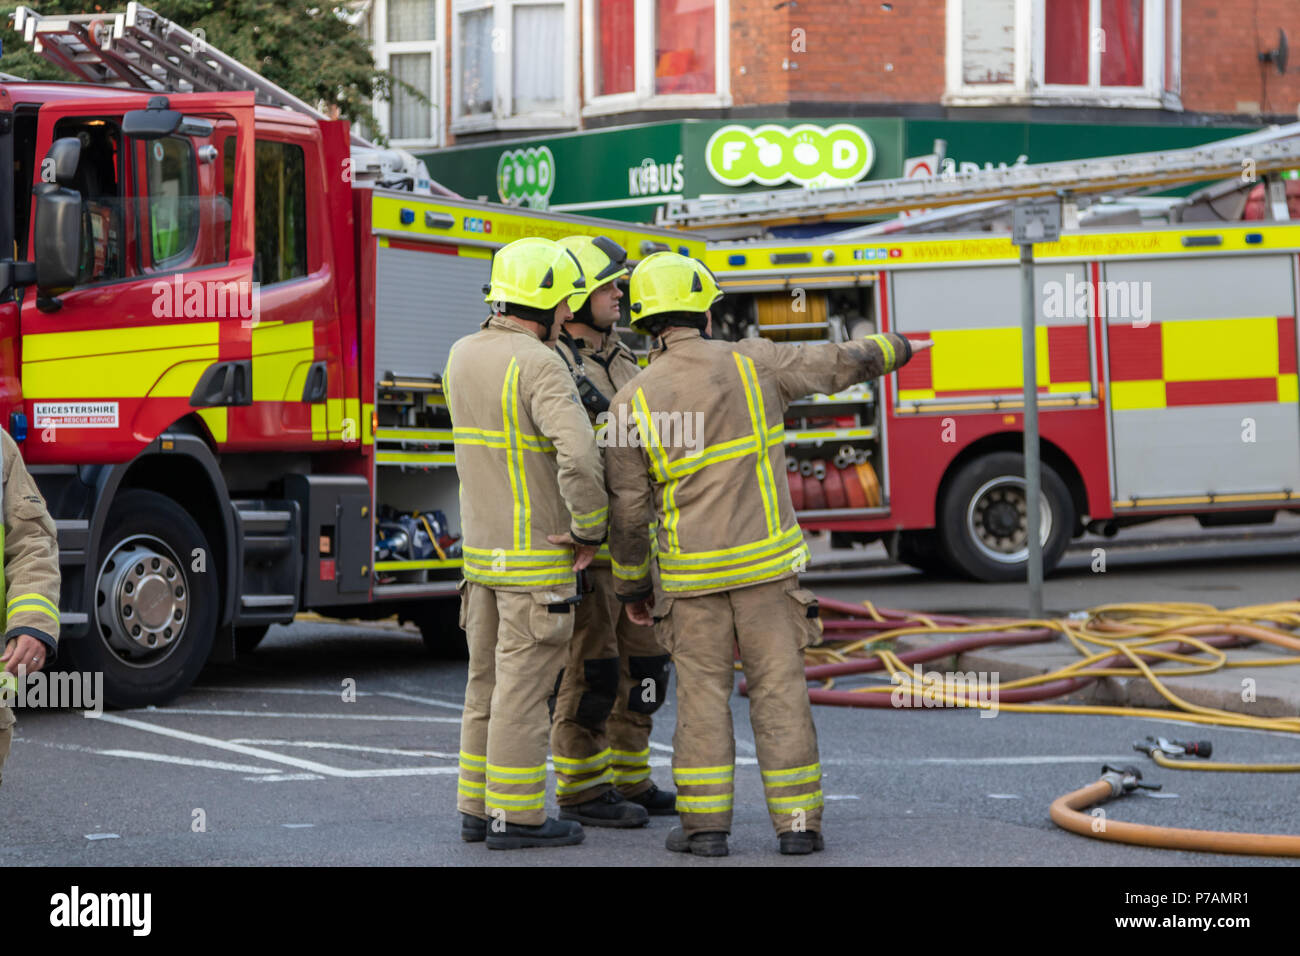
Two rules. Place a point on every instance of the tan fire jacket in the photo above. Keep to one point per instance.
(609, 368)
(31, 555)
(699, 445)
(527, 459)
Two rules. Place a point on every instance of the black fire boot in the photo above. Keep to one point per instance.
(553, 832)
(472, 829)
(607, 810)
(797, 844)
(658, 803)
(708, 843)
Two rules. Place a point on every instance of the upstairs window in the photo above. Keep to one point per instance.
(1115, 53)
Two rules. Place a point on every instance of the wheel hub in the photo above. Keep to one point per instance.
(142, 600)
(997, 520)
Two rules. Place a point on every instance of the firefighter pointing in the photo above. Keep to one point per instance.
(729, 546)
(617, 673)
(532, 496)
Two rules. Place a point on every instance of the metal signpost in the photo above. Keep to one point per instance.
(1033, 220)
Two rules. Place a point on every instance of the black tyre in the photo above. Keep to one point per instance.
(155, 615)
(439, 624)
(983, 524)
(921, 550)
(248, 636)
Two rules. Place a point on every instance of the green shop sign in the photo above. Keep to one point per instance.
(626, 173)
(806, 155)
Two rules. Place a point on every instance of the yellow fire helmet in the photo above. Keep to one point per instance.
(533, 272)
(670, 282)
(602, 259)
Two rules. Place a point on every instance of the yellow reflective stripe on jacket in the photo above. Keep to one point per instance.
(515, 457)
(32, 602)
(721, 558)
(800, 801)
(788, 778)
(591, 518)
(660, 459)
(886, 348)
(507, 566)
(747, 574)
(497, 774)
(758, 416)
(471, 762)
(468, 788)
(625, 572)
(488, 438)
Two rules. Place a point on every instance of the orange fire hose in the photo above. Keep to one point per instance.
(1066, 812)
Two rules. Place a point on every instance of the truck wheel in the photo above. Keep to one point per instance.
(983, 524)
(439, 624)
(920, 549)
(154, 617)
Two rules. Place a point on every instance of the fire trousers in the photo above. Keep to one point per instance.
(772, 623)
(616, 677)
(518, 643)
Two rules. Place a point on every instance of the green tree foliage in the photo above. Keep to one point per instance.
(310, 49)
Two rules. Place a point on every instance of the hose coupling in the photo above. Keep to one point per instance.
(1125, 780)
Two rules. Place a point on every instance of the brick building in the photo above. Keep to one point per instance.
(526, 71)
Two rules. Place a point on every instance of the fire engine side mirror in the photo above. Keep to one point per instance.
(60, 163)
(58, 237)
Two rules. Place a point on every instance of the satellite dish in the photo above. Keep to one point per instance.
(1278, 55)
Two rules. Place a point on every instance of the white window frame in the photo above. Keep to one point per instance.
(384, 50)
(503, 114)
(643, 96)
(1029, 87)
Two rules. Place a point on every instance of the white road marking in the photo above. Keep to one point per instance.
(282, 777)
(1004, 796)
(284, 690)
(297, 826)
(329, 745)
(273, 757)
(409, 718)
(841, 796)
(395, 695)
(658, 746)
(102, 836)
(430, 701)
(997, 761)
(159, 758)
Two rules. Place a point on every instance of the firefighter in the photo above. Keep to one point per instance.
(533, 510)
(29, 580)
(617, 672)
(729, 546)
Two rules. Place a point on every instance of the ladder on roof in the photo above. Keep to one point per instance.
(1269, 150)
(142, 50)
